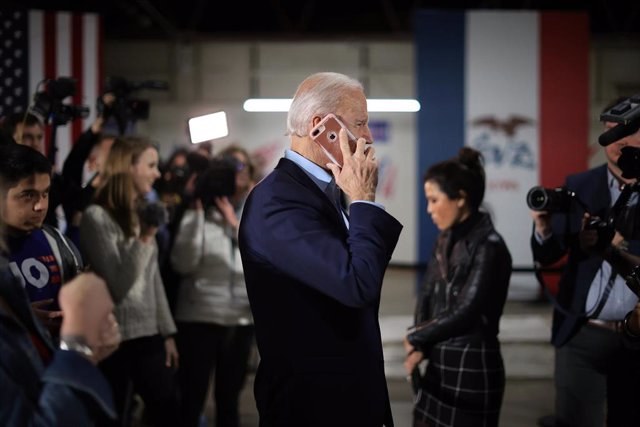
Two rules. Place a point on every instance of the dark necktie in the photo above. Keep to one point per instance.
(337, 197)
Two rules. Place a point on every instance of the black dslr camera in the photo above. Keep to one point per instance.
(550, 199)
(562, 200)
(605, 229)
(48, 105)
(218, 179)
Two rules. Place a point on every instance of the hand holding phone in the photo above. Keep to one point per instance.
(325, 134)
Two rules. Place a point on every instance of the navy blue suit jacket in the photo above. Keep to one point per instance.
(314, 288)
(592, 189)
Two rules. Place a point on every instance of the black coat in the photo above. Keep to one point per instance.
(463, 293)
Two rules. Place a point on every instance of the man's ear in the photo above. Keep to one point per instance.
(315, 120)
(462, 199)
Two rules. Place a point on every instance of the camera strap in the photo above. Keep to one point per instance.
(605, 295)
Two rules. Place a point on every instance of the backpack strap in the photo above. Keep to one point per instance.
(69, 255)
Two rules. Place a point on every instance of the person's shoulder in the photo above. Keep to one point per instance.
(94, 208)
(96, 213)
(589, 173)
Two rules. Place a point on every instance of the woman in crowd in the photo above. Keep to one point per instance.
(213, 314)
(121, 247)
(460, 303)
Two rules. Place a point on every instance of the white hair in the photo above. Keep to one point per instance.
(318, 95)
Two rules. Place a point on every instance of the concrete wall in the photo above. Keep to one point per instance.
(210, 76)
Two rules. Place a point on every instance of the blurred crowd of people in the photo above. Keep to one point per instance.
(161, 238)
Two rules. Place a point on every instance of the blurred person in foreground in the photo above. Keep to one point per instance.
(460, 303)
(594, 366)
(314, 270)
(41, 257)
(48, 386)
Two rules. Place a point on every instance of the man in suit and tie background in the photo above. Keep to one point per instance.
(314, 272)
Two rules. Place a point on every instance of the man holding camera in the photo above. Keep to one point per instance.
(594, 368)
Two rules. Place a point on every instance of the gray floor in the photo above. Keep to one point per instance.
(524, 335)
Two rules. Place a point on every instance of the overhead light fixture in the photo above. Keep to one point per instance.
(273, 105)
(208, 127)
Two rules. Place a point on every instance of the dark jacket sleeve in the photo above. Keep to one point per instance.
(486, 282)
(74, 163)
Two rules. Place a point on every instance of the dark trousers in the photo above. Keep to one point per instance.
(594, 373)
(138, 366)
(208, 349)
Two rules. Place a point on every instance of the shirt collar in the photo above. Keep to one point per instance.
(320, 176)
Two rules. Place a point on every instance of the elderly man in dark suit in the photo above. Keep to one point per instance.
(314, 270)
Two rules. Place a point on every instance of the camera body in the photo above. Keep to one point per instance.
(48, 105)
(153, 214)
(217, 180)
(605, 230)
(629, 162)
(551, 200)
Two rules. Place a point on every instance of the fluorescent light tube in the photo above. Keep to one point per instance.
(393, 105)
(267, 105)
(272, 105)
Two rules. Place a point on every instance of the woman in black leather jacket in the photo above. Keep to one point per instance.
(460, 303)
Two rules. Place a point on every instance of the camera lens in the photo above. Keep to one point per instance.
(549, 199)
(537, 198)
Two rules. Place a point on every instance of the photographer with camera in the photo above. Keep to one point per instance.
(212, 310)
(594, 369)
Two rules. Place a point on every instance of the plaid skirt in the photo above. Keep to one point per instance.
(463, 386)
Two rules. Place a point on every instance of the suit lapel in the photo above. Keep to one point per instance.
(298, 174)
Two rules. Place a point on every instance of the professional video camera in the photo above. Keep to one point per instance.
(47, 103)
(126, 109)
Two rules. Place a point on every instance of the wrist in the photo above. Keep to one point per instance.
(367, 197)
(78, 344)
(543, 232)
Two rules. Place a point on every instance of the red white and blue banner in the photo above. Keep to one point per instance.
(514, 85)
(39, 45)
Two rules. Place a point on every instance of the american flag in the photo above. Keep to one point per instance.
(36, 45)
